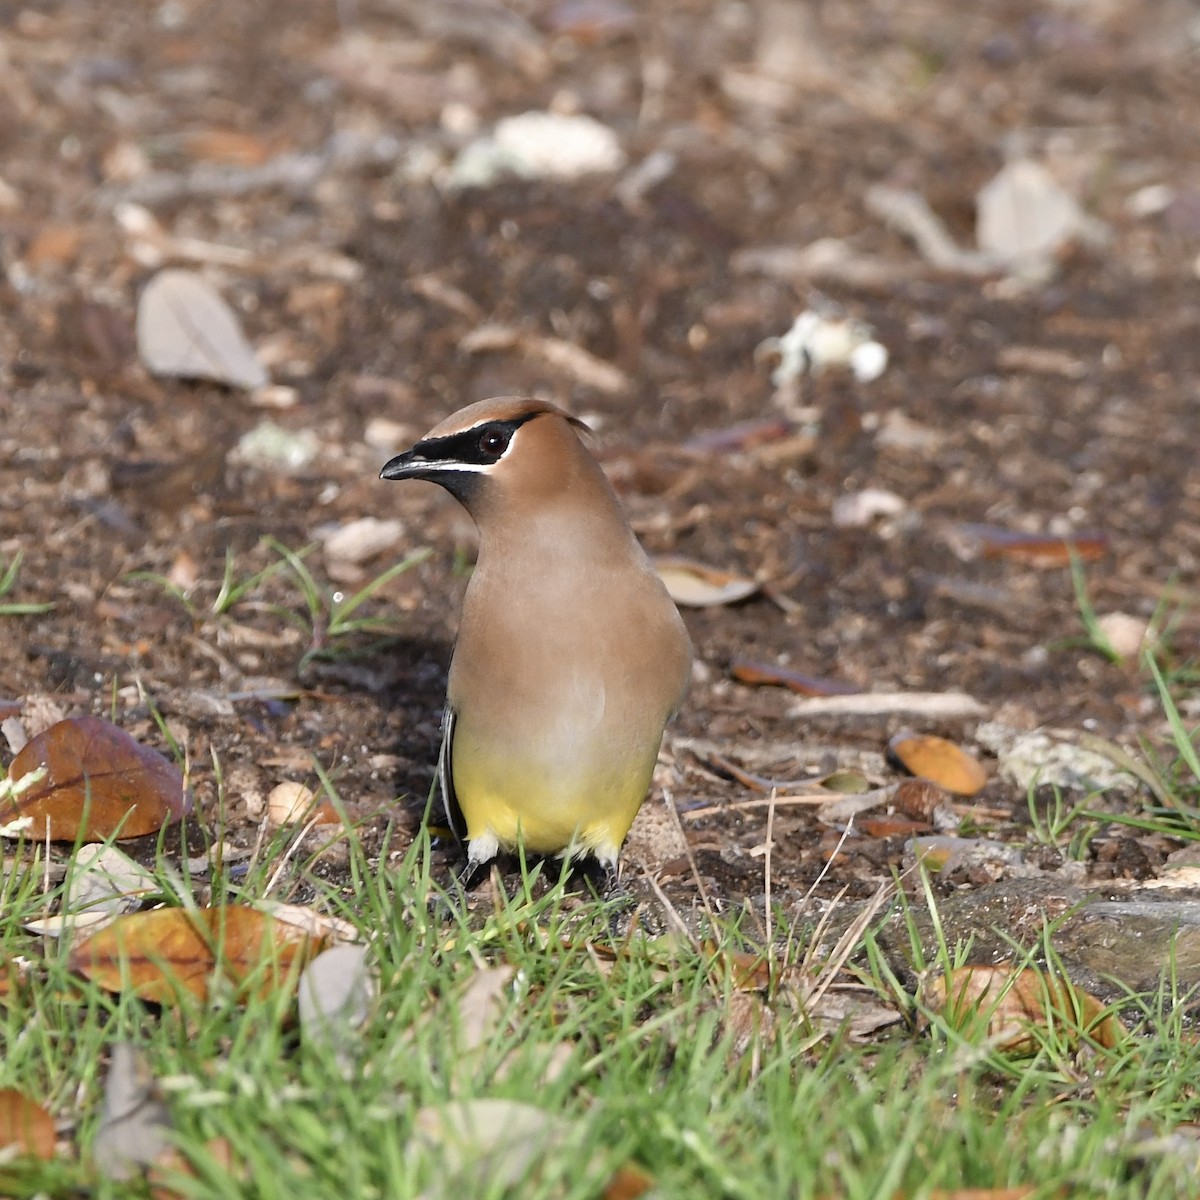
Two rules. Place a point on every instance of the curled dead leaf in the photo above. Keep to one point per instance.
(695, 585)
(168, 952)
(938, 760)
(768, 674)
(1004, 1004)
(26, 1128)
(99, 783)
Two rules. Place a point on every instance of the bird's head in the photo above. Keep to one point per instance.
(500, 453)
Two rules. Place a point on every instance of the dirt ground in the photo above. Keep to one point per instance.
(300, 157)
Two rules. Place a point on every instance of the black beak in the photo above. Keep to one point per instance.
(406, 466)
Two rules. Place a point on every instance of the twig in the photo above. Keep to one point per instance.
(807, 798)
(767, 875)
(877, 704)
(687, 849)
(908, 212)
(291, 172)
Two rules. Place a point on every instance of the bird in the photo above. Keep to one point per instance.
(570, 657)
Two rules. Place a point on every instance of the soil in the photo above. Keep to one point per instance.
(1064, 405)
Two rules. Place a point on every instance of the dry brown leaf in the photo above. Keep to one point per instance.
(747, 972)
(99, 783)
(885, 827)
(749, 1024)
(1038, 550)
(938, 760)
(161, 954)
(1009, 1001)
(696, 585)
(745, 671)
(26, 1128)
(628, 1183)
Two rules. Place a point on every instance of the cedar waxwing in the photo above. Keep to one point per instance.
(570, 657)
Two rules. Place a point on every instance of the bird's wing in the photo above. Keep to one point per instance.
(446, 776)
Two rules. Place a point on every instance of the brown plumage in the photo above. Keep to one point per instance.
(570, 656)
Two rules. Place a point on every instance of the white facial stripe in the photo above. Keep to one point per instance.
(466, 468)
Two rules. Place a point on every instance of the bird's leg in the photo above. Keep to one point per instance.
(610, 882)
(470, 873)
(460, 883)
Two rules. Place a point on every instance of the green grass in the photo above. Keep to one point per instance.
(328, 616)
(8, 581)
(631, 1048)
(332, 622)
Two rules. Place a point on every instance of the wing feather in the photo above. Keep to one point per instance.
(446, 776)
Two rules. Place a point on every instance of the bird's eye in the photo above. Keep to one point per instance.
(493, 442)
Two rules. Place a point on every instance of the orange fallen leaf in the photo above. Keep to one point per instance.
(25, 1126)
(745, 671)
(938, 760)
(99, 783)
(159, 955)
(1008, 1002)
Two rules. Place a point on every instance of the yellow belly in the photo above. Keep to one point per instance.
(550, 812)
